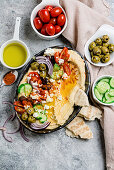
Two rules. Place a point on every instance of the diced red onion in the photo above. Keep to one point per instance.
(45, 60)
(23, 134)
(37, 126)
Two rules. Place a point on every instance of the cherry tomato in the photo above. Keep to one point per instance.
(64, 54)
(43, 30)
(66, 68)
(34, 79)
(61, 20)
(56, 57)
(33, 74)
(38, 12)
(26, 103)
(50, 29)
(37, 23)
(18, 103)
(49, 7)
(53, 21)
(19, 107)
(57, 29)
(56, 11)
(44, 15)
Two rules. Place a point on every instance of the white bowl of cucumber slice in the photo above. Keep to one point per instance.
(103, 90)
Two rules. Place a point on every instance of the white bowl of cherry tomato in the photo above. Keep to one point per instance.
(48, 21)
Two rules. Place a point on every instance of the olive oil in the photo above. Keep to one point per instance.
(14, 55)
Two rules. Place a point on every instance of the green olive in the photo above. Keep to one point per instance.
(106, 44)
(91, 54)
(99, 46)
(101, 56)
(31, 119)
(91, 46)
(24, 116)
(34, 66)
(104, 50)
(111, 48)
(106, 58)
(96, 51)
(42, 67)
(95, 59)
(30, 110)
(43, 74)
(98, 41)
(105, 38)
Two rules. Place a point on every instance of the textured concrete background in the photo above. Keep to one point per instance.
(54, 151)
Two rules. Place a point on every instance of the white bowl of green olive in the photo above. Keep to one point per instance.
(99, 49)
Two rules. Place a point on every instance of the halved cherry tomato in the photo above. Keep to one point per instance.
(50, 29)
(34, 79)
(49, 7)
(44, 15)
(26, 103)
(38, 12)
(56, 57)
(37, 23)
(19, 107)
(33, 74)
(56, 11)
(64, 54)
(43, 30)
(57, 29)
(52, 21)
(61, 20)
(66, 68)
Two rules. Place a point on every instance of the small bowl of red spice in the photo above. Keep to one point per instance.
(9, 78)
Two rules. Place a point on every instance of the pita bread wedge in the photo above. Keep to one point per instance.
(71, 134)
(79, 128)
(90, 113)
(81, 98)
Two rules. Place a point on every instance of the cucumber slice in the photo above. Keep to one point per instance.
(43, 119)
(28, 89)
(37, 107)
(104, 100)
(102, 87)
(56, 67)
(109, 99)
(39, 116)
(57, 74)
(111, 92)
(21, 89)
(112, 82)
(105, 80)
(98, 95)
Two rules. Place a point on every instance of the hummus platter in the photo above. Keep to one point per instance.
(52, 89)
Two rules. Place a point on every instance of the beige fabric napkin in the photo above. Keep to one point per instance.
(84, 18)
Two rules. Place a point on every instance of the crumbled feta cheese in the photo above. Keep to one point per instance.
(51, 95)
(59, 97)
(46, 111)
(59, 81)
(43, 101)
(61, 61)
(34, 83)
(26, 107)
(49, 99)
(35, 114)
(65, 76)
(52, 80)
(40, 85)
(49, 52)
(28, 79)
(46, 107)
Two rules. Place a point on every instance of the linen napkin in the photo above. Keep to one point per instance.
(84, 18)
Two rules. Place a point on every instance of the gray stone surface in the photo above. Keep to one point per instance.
(54, 151)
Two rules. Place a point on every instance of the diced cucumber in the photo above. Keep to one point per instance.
(98, 95)
(57, 74)
(37, 107)
(21, 89)
(28, 89)
(43, 119)
(111, 92)
(104, 80)
(112, 82)
(56, 67)
(109, 99)
(102, 87)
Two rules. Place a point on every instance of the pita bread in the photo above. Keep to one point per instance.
(90, 113)
(81, 99)
(79, 128)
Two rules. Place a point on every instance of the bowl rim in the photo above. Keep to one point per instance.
(46, 131)
(44, 36)
(93, 87)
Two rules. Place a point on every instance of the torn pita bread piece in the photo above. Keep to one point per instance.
(90, 113)
(80, 98)
(79, 128)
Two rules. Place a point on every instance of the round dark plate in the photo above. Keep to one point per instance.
(76, 108)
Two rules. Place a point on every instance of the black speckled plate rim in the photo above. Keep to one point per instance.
(76, 108)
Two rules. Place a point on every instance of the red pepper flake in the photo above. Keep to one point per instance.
(9, 78)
